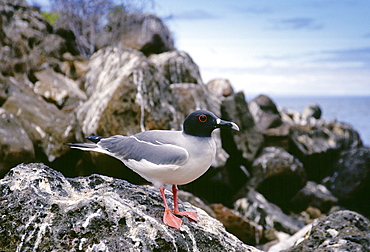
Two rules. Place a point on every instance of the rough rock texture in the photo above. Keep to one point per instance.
(15, 144)
(350, 181)
(255, 207)
(220, 87)
(264, 112)
(132, 95)
(43, 210)
(315, 195)
(340, 231)
(277, 175)
(177, 67)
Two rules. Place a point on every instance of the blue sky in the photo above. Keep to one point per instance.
(286, 47)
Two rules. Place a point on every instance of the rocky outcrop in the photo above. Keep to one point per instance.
(43, 210)
(340, 231)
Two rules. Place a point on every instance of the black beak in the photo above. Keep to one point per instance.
(226, 125)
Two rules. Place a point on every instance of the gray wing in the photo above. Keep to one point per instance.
(144, 146)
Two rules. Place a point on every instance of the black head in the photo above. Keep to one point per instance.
(202, 123)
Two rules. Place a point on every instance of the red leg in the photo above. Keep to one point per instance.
(168, 218)
(190, 215)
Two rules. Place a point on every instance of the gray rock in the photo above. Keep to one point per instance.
(340, 231)
(278, 176)
(220, 87)
(315, 195)
(43, 210)
(255, 207)
(313, 110)
(264, 112)
(15, 145)
(177, 67)
(350, 181)
(127, 95)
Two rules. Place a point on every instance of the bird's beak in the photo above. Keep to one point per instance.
(226, 125)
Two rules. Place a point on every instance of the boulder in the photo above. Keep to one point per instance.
(47, 126)
(43, 210)
(256, 208)
(350, 181)
(264, 112)
(15, 145)
(278, 176)
(220, 87)
(318, 145)
(126, 95)
(314, 195)
(58, 89)
(340, 231)
(177, 67)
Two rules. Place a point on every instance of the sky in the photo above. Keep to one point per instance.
(286, 47)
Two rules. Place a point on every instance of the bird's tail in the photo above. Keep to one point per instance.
(89, 146)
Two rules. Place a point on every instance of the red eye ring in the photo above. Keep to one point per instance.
(202, 118)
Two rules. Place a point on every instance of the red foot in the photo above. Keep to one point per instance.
(171, 220)
(192, 216)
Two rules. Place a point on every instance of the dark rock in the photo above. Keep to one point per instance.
(246, 230)
(340, 231)
(177, 67)
(319, 145)
(315, 195)
(278, 176)
(350, 181)
(43, 210)
(264, 112)
(312, 110)
(220, 87)
(255, 207)
(15, 145)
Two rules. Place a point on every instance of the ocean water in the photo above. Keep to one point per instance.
(352, 110)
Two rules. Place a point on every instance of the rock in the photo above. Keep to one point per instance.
(315, 195)
(177, 67)
(58, 88)
(312, 110)
(126, 95)
(255, 207)
(220, 87)
(15, 145)
(246, 230)
(350, 181)
(43, 210)
(278, 176)
(340, 231)
(47, 126)
(264, 112)
(318, 146)
(139, 31)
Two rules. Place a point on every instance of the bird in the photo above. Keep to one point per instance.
(165, 156)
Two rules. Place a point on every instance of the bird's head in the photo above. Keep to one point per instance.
(202, 123)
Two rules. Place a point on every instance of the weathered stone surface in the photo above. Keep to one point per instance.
(246, 230)
(315, 195)
(340, 231)
(15, 145)
(220, 87)
(277, 175)
(58, 88)
(350, 181)
(126, 95)
(45, 124)
(255, 207)
(177, 67)
(264, 112)
(43, 210)
(143, 32)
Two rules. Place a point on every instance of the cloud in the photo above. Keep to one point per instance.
(194, 15)
(352, 55)
(297, 23)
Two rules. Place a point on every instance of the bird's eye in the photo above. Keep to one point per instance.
(202, 118)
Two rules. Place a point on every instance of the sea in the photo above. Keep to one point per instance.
(354, 110)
